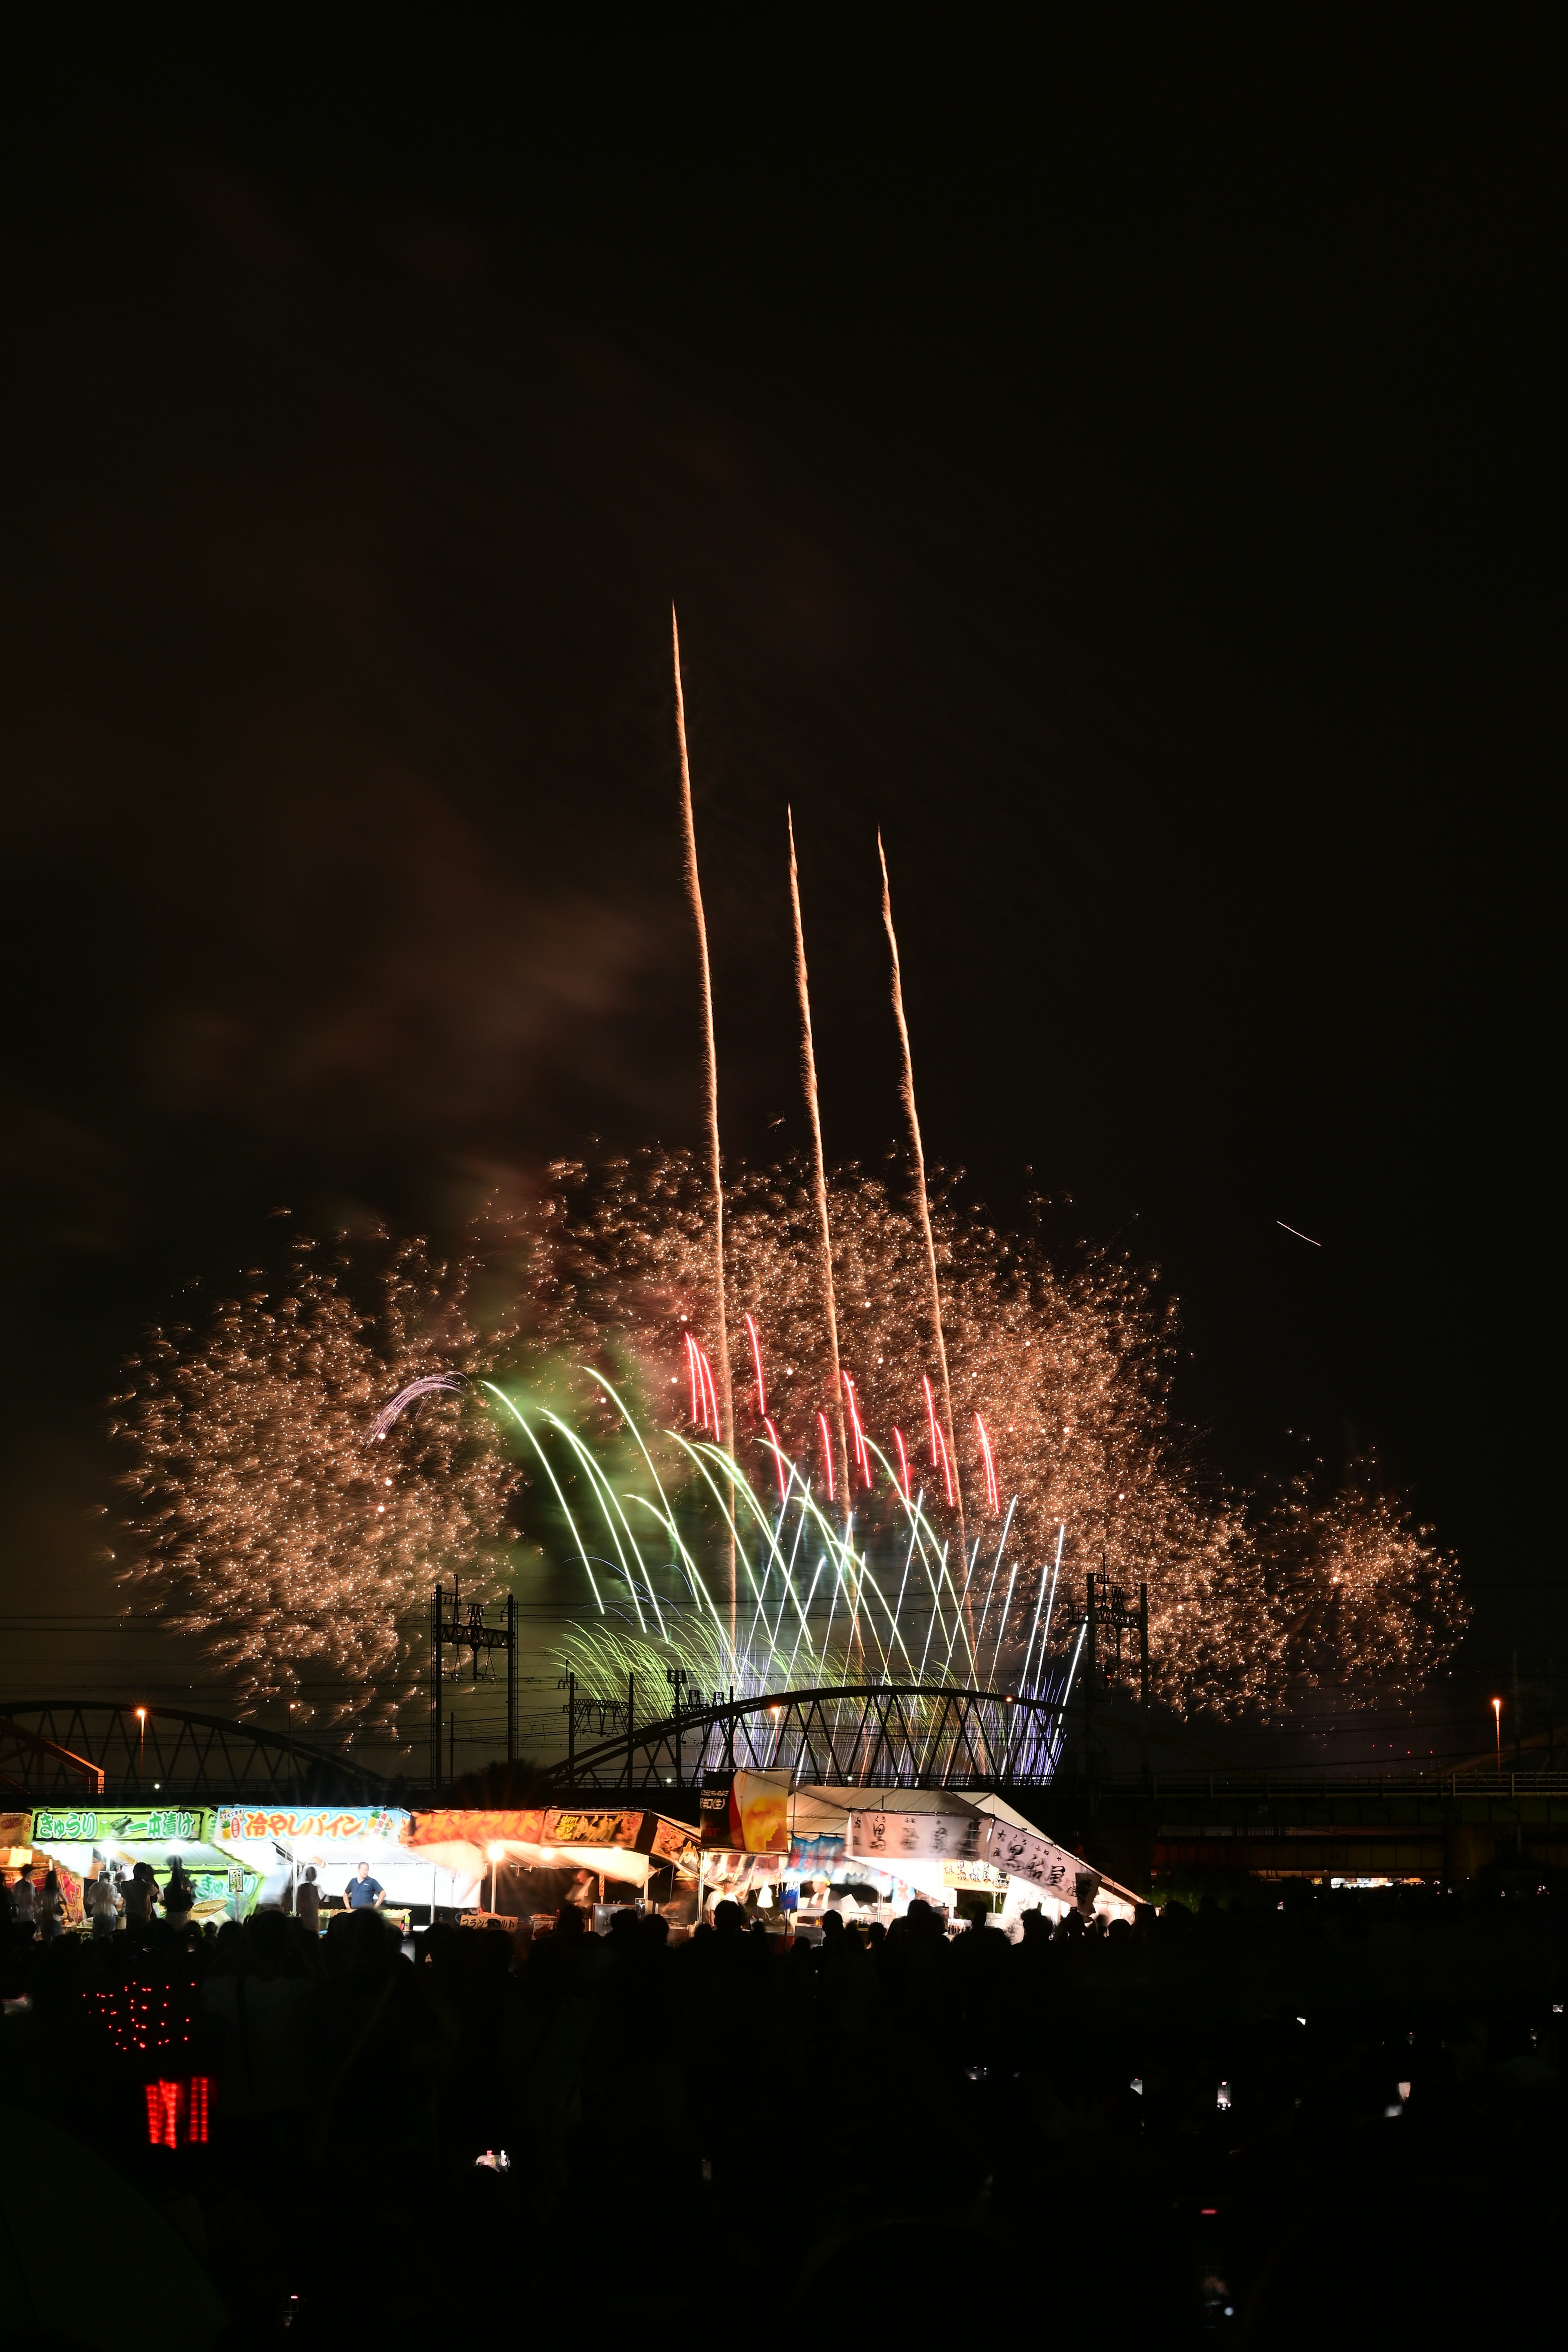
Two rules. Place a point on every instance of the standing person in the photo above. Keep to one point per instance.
(363, 1891)
(104, 1905)
(51, 1907)
(308, 1902)
(25, 1895)
(140, 1890)
(179, 1895)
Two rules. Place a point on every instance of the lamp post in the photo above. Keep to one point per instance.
(140, 1743)
(1496, 1719)
(496, 1853)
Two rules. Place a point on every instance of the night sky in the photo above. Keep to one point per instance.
(1114, 465)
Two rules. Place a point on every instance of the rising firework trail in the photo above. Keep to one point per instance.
(710, 1080)
(908, 1091)
(818, 1165)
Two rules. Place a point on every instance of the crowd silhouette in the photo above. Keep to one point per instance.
(1311, 2115)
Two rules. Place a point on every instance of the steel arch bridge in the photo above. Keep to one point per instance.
(866, 1735)
(59, 1747)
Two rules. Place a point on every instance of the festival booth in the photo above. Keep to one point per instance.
(428, 1864)
(869, 1852)
(616, 1845)
(80, 1842)
(280, 1844)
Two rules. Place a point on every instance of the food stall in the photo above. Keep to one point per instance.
(869, 1852)
(80, 1842)
(618, 1846)
(280, 1844)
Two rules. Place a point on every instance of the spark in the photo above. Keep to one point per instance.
(818, 1165)
(1299, 1235)
(710, 1068)
(827, 1451)
(921, 1196)
(757, 1359)
(432, 1384)
(992, 1495)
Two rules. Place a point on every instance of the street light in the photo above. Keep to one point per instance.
(1497, 1718)
(497, 1853)
(142, 1741)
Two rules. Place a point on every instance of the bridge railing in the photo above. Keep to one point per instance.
(1286, 1781)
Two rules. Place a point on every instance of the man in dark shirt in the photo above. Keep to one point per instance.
(363, 1891)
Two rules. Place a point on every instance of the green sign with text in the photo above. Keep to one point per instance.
(123, 1824)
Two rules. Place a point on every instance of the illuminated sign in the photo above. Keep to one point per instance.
(177, 2112)
(125, 1824)
(346, 1824)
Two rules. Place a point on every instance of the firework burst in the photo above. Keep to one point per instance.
(306, 1466)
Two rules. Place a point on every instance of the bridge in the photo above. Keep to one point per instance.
(141, 1755)
(863, 1735)
(1439, 1825)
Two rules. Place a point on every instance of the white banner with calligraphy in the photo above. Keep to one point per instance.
(889, 1837)
(1023, 1854)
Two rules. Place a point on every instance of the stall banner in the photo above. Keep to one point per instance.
(126, 1824)
(317, 1825)
(534, 1826)
(16, 1838)
(816, 1857)
(746, 1812)
(1024, 1854)
(976, 1877)
(673, 1842)
(942, 1837)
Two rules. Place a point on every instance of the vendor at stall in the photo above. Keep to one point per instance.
(363, 1891)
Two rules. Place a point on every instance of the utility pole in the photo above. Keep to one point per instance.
(1143, 1669)
(631, 1719)
(1516, 1721)
(568, 1682)
(511, 1678)
(1090, 1669)
(675, 1677)
(436, 1688)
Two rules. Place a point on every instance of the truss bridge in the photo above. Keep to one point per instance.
(863, 1736)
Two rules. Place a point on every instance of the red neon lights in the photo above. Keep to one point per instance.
(177, 2112)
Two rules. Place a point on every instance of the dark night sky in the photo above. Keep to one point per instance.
(1117, 466)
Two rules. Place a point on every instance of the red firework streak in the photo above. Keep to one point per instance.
(778, 1457)
(757, 1359)
(903, 1461)
(704, 1395)
(862, 1452)
(938, 1443)
(826, 1450)
(992, 1496)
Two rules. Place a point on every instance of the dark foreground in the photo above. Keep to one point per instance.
(905, 2135)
